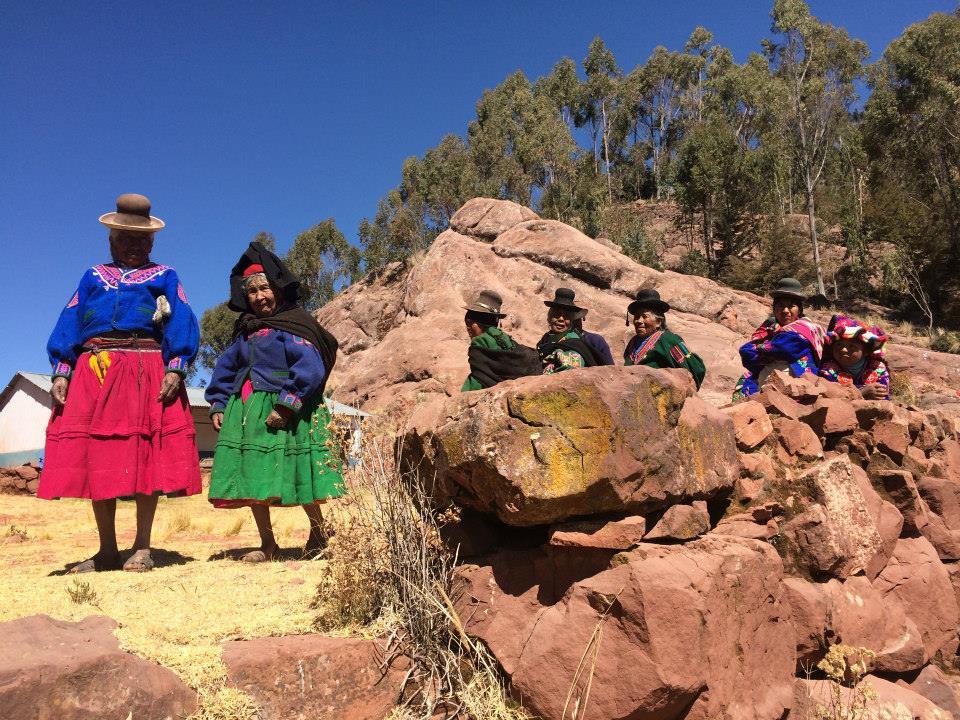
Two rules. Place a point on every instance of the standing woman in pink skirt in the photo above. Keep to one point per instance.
(121, 425)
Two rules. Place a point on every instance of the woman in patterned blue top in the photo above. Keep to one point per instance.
(121, 347)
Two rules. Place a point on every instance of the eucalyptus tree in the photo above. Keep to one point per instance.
(818, 65)
(912, 136)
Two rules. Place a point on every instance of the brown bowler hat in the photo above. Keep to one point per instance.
(133, 214)
(488, 302)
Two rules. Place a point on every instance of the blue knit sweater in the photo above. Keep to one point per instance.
(275, 361)
(112, 298)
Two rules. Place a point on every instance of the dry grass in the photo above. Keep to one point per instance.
(390, 570)
(177, 615)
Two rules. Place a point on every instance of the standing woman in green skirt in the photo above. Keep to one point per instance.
(266, 401)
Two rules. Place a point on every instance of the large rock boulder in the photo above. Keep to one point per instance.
(728, 655)
(315, 676)
(76, 671)
(917, 578)
(837, 534)
(601, 440)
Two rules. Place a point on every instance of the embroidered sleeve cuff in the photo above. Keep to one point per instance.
(178, 365)
(288, 399)
(62, 369)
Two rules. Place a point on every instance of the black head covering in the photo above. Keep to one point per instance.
(274, 268)
(289, 316)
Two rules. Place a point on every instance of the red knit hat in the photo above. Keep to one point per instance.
(253, 270)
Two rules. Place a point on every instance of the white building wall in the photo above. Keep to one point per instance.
(23, 419)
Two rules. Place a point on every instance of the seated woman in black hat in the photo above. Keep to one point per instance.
(654, 345)
(563, 347)
(786, 341)
(494, 356)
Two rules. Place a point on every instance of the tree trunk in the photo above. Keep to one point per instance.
(812, 218)
(606, 150)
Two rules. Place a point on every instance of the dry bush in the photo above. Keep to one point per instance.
(236, 526)
(82, 593)
(845, 667)
(388, 567)
(901, 389)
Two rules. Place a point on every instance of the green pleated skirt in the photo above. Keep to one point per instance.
(257, 465)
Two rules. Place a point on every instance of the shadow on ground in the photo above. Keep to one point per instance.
(284, 554)
(161, 559)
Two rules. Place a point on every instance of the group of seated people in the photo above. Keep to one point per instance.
(848, 352)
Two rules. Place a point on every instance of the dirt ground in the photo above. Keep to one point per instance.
(179, 613)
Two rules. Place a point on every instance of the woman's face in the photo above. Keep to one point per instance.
(848, 353)
(130, 249)
(261, 297)
(560, 320)
(786, 310)
(645, 323)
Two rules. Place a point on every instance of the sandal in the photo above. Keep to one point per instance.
(259, 556)
(140, 561)
(96, 564)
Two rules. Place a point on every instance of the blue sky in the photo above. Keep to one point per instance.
(239, 117)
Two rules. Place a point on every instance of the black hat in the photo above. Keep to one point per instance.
(649, 300)
(487, 303)
(563, 298)
(789, 287)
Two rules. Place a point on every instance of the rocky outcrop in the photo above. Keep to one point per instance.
(402, 338)
(315, 676)
(76, 671)
(600, 440)
(888, 701)
(833, 508)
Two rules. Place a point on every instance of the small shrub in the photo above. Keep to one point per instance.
(845, 667)
(179, 523)
(236, 526)
(82, 593)
(18, 534)
(901, 389)
(636, 245)
(947, 341)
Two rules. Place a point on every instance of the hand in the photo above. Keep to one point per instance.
(278, 417)
(217, 419)
(169, 387)
(874, 391)
(58, 391)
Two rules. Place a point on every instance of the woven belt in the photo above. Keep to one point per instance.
(99, 344)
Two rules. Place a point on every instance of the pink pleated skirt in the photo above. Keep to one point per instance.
(114, 439)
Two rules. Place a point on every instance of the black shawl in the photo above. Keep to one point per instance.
(290, 317)
(577, 345)
(490, 366)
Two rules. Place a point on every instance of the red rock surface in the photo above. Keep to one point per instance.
(598, 533)
(750, 423)
(315, 676)
(681, 522)
(726, 655)
(917, 578)
(76, 671)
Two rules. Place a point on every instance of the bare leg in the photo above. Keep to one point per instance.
(105, 513)
(146, 509)
(108, 556)
(268, 544)
(318, 534)
(141, 561)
